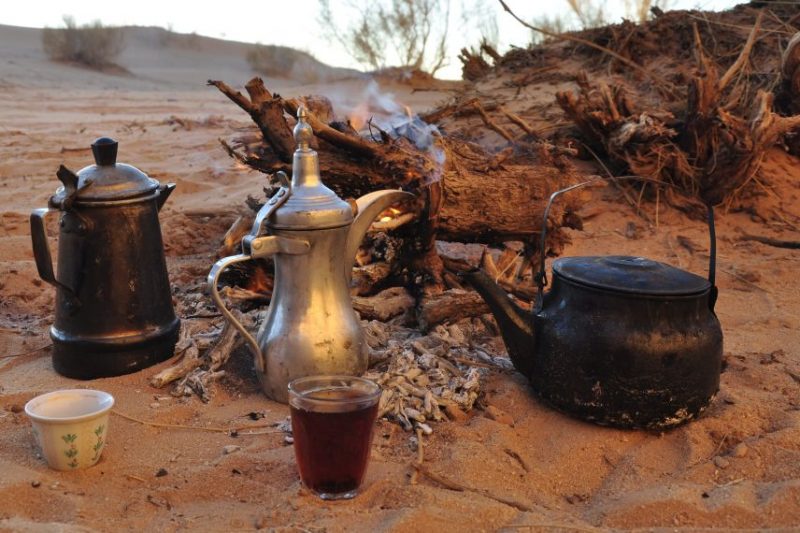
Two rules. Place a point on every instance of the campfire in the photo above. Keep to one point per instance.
(406, 270)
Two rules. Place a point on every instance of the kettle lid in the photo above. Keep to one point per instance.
(108, 180)
(631, 275)
(311, 204)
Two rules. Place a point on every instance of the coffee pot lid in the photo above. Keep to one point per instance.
(311, 204)
(108, 180)
(631, 275)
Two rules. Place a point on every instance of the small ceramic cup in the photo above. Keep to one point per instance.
(70, 426)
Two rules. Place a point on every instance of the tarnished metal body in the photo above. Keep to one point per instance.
(626, 360)
(620, 341)
(114, 311)
(311, 327)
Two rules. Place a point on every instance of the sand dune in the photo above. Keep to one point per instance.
(155, 58)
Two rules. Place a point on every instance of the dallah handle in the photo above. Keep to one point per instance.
(541, 276)
(41, 250)
(260, 247)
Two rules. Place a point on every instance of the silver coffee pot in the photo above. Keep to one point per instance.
(311, 327)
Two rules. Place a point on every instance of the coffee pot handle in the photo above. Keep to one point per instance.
(213, 278)
(41, 250)
(540, 278)
(259, 248)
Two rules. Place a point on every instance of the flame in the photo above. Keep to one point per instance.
(392, 213)
(259, 281)
(397, 120)
(359, 115)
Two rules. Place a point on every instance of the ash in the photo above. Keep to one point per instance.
(425, 377)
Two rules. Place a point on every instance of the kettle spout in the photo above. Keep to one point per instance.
(516, 325)
(369, 206)
(163, 193)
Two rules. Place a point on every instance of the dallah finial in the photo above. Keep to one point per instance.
(302, 130)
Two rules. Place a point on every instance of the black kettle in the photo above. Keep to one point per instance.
(617, 340)
(114, 311)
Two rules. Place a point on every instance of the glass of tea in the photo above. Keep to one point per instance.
(332, 423)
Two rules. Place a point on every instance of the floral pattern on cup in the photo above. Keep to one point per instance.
(99, 432)
(72, 451)
(70, 426)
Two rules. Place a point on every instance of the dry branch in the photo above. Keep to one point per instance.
(384, 305)
(450, 306)
(712, 152)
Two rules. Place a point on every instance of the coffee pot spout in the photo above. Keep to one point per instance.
(164, 191)
(516, 325)
(369, 207)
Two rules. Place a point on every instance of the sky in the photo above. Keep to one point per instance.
(290, 23)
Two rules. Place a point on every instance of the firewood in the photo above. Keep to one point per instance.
(198, 380)
(450, 306)
(188, 350)
(232, 240)
(369, 277)
(491, 124)
(384, 305)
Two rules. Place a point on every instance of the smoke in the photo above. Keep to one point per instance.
(383, 111)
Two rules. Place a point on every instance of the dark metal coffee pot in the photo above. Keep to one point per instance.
(114, 311)
(620, 341)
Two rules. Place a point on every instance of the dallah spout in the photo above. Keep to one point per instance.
(516, 325)
(369, 207)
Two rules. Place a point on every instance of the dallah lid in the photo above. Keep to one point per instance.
(311, 205)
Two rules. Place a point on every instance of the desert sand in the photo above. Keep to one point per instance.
(735, 468)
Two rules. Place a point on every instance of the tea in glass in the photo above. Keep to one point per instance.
(332, 423)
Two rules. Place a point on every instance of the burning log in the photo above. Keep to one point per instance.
(459, 196)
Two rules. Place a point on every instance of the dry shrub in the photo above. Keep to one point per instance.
(272, 61)
(407, 33)
(284, 62)
(586, 14)
(93, 45)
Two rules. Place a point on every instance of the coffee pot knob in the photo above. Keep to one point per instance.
(105, 151)
(303, 133)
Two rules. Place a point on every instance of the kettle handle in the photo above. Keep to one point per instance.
(41, 250)
(541, 276)
(260, 248)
